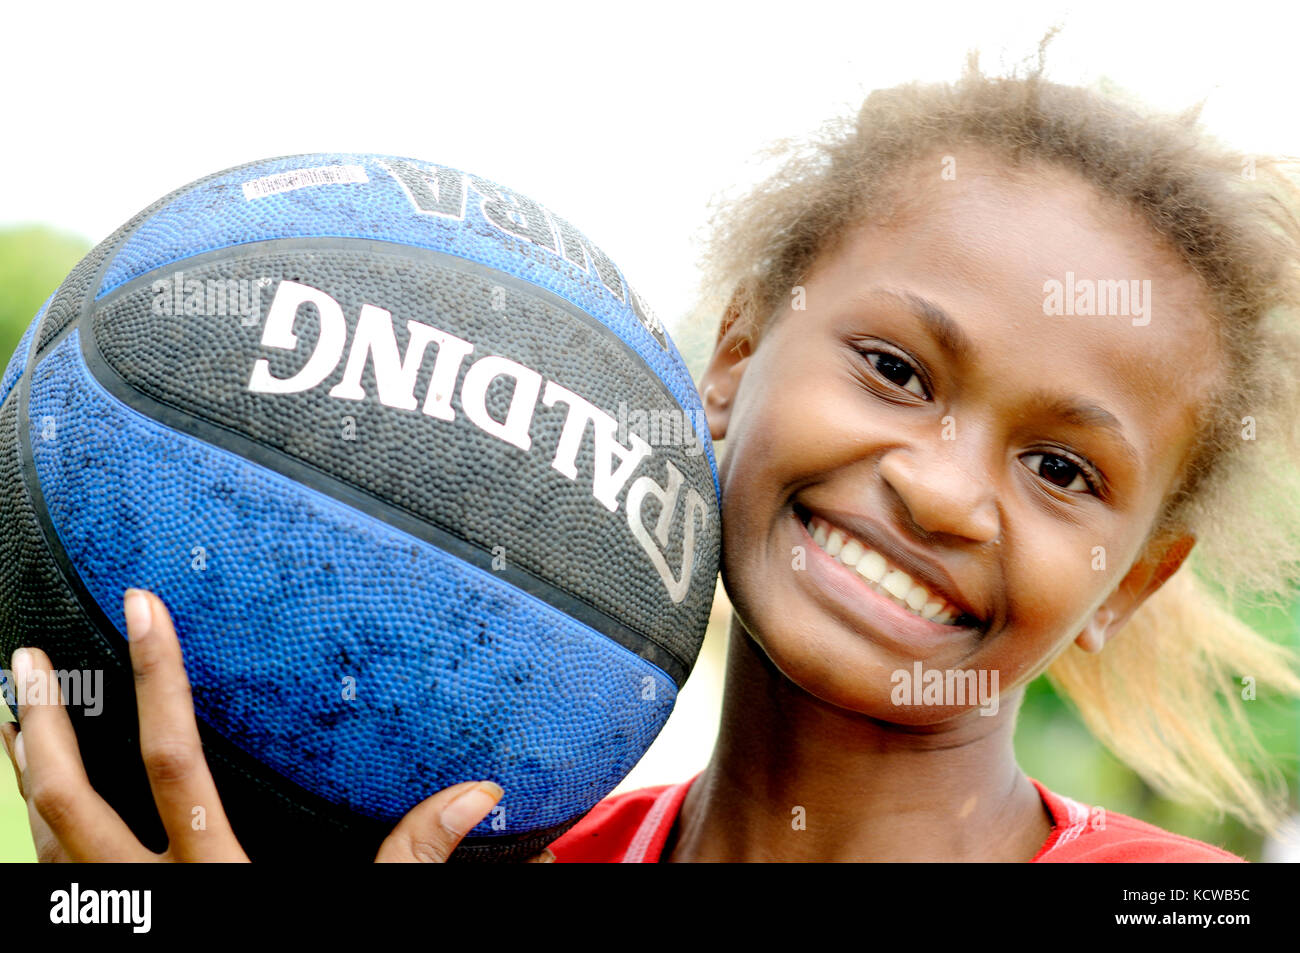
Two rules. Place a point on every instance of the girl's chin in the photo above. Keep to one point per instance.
(896, 693)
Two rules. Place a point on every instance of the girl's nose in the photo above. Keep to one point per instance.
(943, 492)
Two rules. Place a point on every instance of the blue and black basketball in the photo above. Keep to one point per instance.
(426, 487)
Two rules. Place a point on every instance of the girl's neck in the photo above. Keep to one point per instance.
(793, 778)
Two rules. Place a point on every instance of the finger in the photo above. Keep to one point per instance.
(183, 789)
(545, 857)
(431, 830)
(9, 734)
(48, 849)
(51, 775)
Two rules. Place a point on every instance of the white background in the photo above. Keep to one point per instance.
(624, 120)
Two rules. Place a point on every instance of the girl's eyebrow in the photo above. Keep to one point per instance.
(947, 334)
(1081, 413)
(951, 339)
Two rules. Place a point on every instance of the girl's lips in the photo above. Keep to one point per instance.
(850, 597)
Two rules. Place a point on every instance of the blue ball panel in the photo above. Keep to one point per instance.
(282, 593)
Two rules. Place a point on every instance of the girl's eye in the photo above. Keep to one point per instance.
(897, 371)
(1061, 472)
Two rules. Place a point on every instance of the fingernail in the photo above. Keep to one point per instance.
(139, 615)
(20, 755)
(21, 664)
(462, 814)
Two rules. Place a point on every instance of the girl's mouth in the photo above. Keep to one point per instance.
(873, 573)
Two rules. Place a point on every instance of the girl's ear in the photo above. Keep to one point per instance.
(1098, 631)
(721, 379)
(1142, 581)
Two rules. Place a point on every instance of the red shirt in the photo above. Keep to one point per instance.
(631, 828)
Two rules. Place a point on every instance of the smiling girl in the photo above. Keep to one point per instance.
(936, 478)
(930, 467)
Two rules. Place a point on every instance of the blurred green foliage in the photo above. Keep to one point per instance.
(33, 261)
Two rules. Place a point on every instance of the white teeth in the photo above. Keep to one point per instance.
(917, 598)
(873, 567)
(851, 553)
(897, 583)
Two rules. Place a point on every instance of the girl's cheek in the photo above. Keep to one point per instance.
(1049, 605)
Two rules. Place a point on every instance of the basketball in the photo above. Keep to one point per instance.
(425, 484)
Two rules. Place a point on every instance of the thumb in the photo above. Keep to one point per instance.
(431, 830)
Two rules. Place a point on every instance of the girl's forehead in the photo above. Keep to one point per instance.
(1037, 244)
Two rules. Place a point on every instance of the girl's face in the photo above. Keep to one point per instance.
(914, 393)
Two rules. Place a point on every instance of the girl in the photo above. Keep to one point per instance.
(996, 359)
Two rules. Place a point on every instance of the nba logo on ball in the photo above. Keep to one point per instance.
(354, 418)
